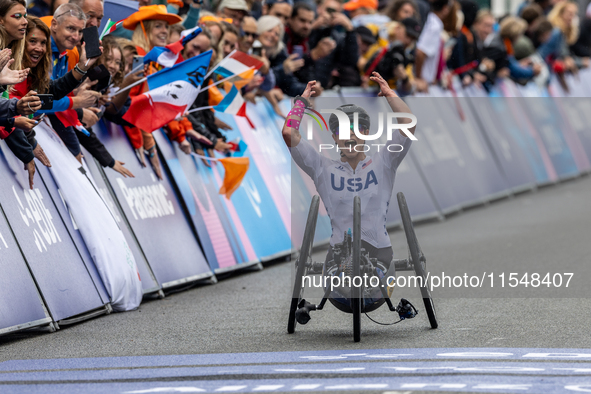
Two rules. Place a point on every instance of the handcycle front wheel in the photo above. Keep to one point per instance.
(302, 261)
(356, 291)
(416, 254)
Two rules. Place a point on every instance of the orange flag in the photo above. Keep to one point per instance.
(246, 77)
(236, 168)
(240, 80)
(215, 96)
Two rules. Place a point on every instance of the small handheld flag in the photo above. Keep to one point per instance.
(233, 104)
(235, 170)
(110, 27)
(237, 63)
(170, 55)
(172, 91)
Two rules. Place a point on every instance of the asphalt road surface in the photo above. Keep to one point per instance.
(491, 337)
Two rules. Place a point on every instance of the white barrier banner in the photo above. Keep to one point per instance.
(103, 237)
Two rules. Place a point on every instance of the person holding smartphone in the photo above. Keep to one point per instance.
(13, 16)
(333, 39)
(268, 30)
(37, 57)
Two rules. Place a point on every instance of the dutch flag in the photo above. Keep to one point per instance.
(237, 63)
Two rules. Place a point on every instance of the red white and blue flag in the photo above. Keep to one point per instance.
(233, 104)
(172, 91)
(238, 63)
(170, 55)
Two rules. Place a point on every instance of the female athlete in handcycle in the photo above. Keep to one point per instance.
(360, 245)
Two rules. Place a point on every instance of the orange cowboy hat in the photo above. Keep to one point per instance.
(150, 12)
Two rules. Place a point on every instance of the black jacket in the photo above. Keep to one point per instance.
(59, 88)
(20, 146)
(16, 138)
(22, 143)
(343, 58)
(582, 47)
(288, 83)
(321, 69)
(464, 52)
(73, 137)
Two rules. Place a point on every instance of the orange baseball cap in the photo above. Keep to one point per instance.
(356, 4)
(150, 12)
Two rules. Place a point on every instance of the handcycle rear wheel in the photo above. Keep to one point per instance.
(356, 291)
(302, 261)
(416, 254)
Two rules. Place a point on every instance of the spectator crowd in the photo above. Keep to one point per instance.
(413, 44)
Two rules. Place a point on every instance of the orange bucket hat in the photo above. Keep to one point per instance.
(150, 12)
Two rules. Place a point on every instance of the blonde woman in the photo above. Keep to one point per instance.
(150, 27)
(565, 33)
(563, 17)
(214, 24)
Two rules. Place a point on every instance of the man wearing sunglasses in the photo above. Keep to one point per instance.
(248, 34)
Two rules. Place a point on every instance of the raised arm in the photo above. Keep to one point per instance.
(290, 131)
(396, 103)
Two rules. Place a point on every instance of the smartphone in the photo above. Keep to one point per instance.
(100, 74)
(257, 48)
(137, 61)
(299, 50)
(91, 38)
(39, 118)
(46, 101)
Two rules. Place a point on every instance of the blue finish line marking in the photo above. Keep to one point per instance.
(490, 370)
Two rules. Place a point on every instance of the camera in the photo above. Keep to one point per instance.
(392, 58)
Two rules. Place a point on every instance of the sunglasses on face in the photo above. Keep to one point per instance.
(18, 15)
(248, 33)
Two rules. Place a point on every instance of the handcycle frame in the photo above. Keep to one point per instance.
(360, 264)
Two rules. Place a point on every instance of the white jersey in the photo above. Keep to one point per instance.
(337, 184)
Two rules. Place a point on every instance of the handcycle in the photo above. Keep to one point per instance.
(351, 260)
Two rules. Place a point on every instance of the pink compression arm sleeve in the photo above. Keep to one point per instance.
(294, 117)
